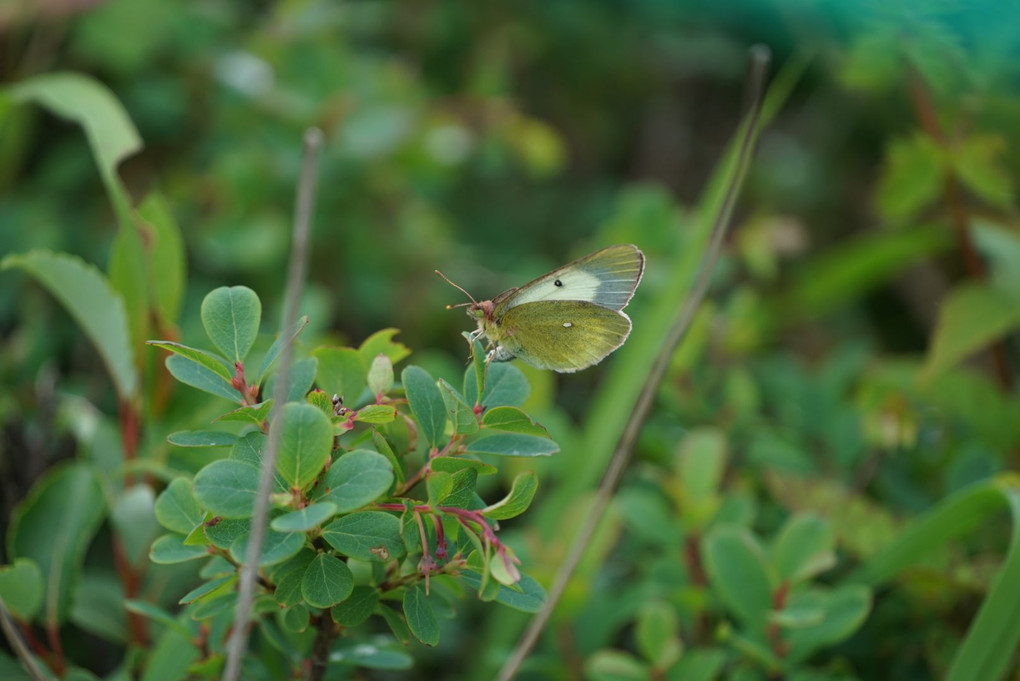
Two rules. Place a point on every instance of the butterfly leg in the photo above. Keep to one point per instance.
(498, 354)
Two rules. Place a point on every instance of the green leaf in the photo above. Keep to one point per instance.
(380, 375)
(395, 621)
(53, 526)
(512, 444)
(381, 342)
(452, 464)
(165, 262)
(738, 573)
(375, 413)
(462, 493)
(844, 611)
(912, 177)
(276, 547)
(156, 614)
(197, 376)
(213, 586)
(134, 518)
(615, 665)
(978, 163)
(327, 581)
(96, 605)
(517, 501)
(439, 485)
(253, 413)
(420, 615)
(342, 371)
(357, 608)
(231, 317)
(208, 360)
(201, 438)
(426, 404)
(505, 386)
(299, 380)
(227, 488)
(86, 101)
(368, 535)
(804, 548)
(700, 465)
(289, 575)
(295, 618)
(249, 449)
(371, 656)
(972, 316)
(277, 347)
(95, 306)
(657, 635)
(846, 272)
(21, 588)
(356, 479)
(526, 595)
(170, 549)
(306, 441)
(512, 420)
(223, 532)
(699, 664)
(306, 519)
(462, 416)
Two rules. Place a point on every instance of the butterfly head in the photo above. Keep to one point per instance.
(482, 310)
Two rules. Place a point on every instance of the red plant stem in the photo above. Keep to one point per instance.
(59, 664)
(924, 108)
(131, 581)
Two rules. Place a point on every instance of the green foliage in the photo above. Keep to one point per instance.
(819, 491)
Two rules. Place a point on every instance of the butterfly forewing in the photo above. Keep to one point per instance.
(562, 335)
(606, 278)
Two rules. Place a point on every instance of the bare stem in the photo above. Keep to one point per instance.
(295, 278)
(760, 58)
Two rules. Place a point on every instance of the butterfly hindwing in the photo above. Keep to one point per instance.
(606, 278)
(562, 335)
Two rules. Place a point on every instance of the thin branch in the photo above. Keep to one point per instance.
(296, 273)
(760, 58)
(18, 645)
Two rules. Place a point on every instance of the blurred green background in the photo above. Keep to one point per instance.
(496, 140)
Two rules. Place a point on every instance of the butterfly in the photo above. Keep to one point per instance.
(566, 320)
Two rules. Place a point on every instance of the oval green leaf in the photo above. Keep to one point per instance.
(231, 317)
(369, 535)
(306, 519)
(420, 615)
(326, 582)
(306, 440)
(357, 478)
(426, 403)
(227, 488)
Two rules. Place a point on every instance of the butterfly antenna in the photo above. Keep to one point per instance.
(447, 280)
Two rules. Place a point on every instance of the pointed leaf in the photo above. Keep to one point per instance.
(197, 376)
(201, 438)
(517, 501)
(53, 526)
(277, 347)
(426, 403)
(971, 317)
(342, 371)
(381, 342)
(738, 573)
(94, 305)
(208, 360)
(512, 444)
(420, 615)
(461, 414)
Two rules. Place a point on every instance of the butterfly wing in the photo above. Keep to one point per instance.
(562, 335)
(606, 278)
